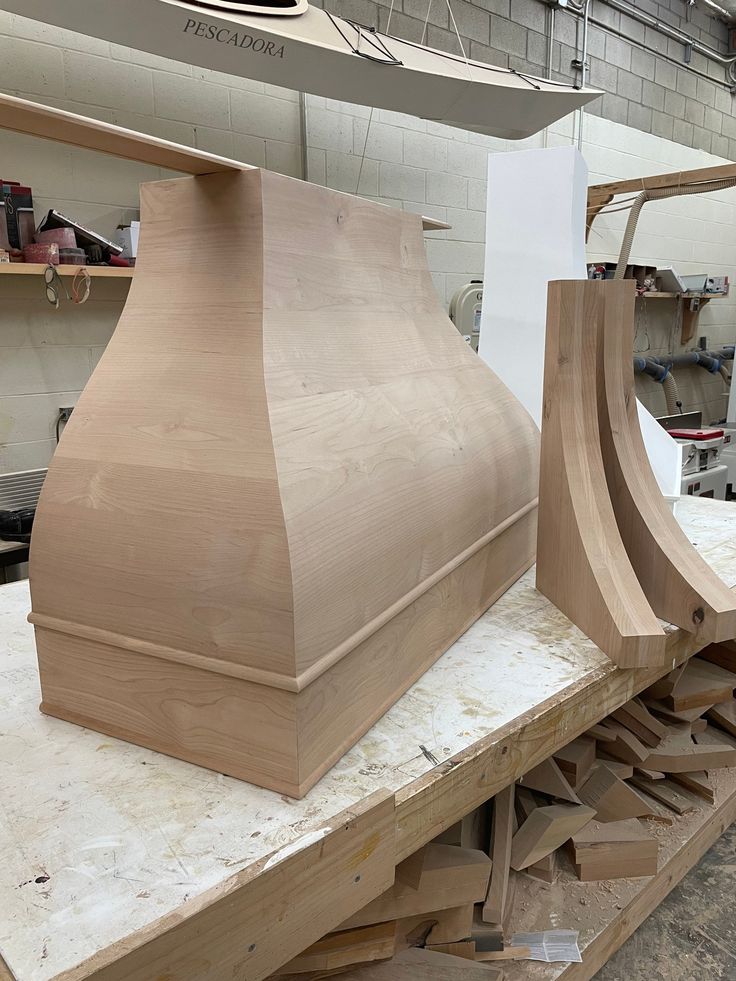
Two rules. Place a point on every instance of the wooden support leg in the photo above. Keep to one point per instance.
(679, 584)
(582, 565)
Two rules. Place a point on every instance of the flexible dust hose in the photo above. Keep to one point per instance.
(656, 194)
(671, 395)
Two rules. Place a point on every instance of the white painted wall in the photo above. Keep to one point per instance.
(408, 163)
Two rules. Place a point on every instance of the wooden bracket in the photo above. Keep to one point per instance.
(582, 565)
(678, 583)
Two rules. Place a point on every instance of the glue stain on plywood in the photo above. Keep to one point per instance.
(365, 851)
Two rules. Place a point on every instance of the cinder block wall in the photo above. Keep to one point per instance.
(399, 160)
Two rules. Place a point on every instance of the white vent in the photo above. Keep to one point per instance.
(20, 489)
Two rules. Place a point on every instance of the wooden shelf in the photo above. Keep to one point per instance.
(654, 295)
(691, 311)
(37, 269)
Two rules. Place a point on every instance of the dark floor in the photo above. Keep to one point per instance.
(691, 936)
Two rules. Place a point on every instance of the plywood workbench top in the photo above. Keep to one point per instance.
(99, 838)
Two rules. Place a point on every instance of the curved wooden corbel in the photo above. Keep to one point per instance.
(679, 584)
(582, 565)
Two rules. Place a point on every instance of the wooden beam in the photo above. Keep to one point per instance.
(582, 565)
(32, 119)
(257, 920)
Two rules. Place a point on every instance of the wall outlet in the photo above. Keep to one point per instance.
(65, 412)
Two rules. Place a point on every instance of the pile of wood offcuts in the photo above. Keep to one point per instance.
(593, 810)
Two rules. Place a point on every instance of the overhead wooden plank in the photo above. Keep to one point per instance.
(545, 830)
(582, 565)
(32, 119)
(548, 778)
(256, 920)
(451, 876)
(701, 684)
(503, 829)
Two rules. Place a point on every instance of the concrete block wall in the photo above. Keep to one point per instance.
(649, 85)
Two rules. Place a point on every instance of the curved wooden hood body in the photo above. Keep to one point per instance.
(287, 488)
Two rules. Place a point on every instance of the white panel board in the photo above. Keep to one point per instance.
(535, 232)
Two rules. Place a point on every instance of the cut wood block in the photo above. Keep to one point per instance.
(626, 746)
(649, 774)
(582, 564)
(723, 654)
(724, 715)
(701, 684)
(368, 943)
(665, 793)
(487, 936)
(612, 799)
(544, 869)
(445, 926)
(545, 830)
(576, 759)
(410, 870)
(622, 770)
(698, 725)
(658, 708)
(712, 734)
(665, 686)
(451, 876)
(475, 828)
(697, 783)
(417, 964)
(637, 719)
(600, 733)
(675, 756)
(503, 817)
(619, 868)
(507, 954)
(548, 778)
(620, 849)
(465, 948)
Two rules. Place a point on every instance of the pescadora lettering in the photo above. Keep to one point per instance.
(239, 39)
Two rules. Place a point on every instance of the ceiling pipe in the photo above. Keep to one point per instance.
(728, 61)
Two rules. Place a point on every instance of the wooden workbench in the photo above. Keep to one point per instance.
(104, 843)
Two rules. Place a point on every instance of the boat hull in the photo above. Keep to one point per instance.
(315, 53)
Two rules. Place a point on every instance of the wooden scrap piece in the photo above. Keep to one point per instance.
(635, 717)
(464, 949)
(548, 778)
(616, 850)
(544, 869)
(701, 684)
(507, 954)
(368, 943)
(599, 733)
(545, 830)
(612, 798)
(622, 770)
(444, 926)
(582, 565)
(697, 783)
(503, 829)
(665, 685)
(664, 792)
(576, 759)
(626, 747)
(711, 734)
(723, 654)
(451, 876)
(657, 707)
(676, 755)
(417, 964)
(724, 715)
